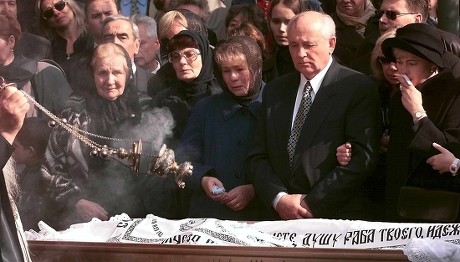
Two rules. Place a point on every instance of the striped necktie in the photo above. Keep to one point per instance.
(299, 120)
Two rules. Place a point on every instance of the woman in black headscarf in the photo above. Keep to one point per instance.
(191, 57)
(85, 186)
(218, 136)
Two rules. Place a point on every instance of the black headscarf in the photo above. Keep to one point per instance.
(20, 71)
(253, 56)
(200, 85)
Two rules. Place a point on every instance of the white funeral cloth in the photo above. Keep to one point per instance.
(419, 241)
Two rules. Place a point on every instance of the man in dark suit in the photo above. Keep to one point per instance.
(13, 108)
(120, 30)
(304, 180)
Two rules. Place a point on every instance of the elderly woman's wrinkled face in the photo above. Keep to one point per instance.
(417, 69)
(60, 18)
(236, 75)
(187, 63)
(353, 8)
(110, 75)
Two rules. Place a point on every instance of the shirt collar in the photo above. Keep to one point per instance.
(316, 81)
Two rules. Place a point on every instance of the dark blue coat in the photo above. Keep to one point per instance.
(216, 141)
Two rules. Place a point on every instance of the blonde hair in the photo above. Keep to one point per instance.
(376, 67)
(49, 32)
(167, 21)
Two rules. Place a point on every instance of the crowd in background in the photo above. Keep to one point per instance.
(286, 108)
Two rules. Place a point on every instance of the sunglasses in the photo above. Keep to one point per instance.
(392, 15)
(384, 60)
(48, 13)
(189, 55)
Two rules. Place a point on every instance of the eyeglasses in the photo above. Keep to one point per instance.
(384, 60)
(392, 15)
(189, 55)
(48, 13)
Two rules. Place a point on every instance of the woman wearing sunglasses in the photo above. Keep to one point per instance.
(191, 57)
(62, 22)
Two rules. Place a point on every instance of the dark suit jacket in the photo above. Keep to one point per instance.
(141, 79)
(346, 108)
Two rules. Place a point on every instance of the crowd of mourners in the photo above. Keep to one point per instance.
(287, 109)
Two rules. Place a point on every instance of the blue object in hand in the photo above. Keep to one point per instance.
(217, 190)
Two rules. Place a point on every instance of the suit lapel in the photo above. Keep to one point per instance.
(284, 110)
(318, 113)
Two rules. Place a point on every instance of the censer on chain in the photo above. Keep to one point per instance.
(162, 164)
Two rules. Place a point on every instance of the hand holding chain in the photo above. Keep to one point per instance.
(161, 164)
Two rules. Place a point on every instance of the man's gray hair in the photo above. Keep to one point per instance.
(327, 23)
(150, 24)
(112, 18)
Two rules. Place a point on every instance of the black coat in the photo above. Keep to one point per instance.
(410, 145)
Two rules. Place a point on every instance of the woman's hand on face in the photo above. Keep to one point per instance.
(239, 197)
(411, 97)
(344, 154)
(442, 161)
(89, 210)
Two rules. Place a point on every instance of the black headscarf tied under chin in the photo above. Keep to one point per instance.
(199, 85)
(113, 112)
(250, 50)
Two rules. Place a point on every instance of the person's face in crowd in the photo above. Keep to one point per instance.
(21, 153)
(120, 32)
(278, 23)
(97, 11)
(402, 15)
(353, 8)
(237, 76)
(110, 74)
(148, 49)
(60, 19)
(310, 50)
(417, 69)
(389, 70)
(235, 22)
(6, 54)
(187, 63)
(8, 7)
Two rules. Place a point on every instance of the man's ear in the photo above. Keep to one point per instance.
(332, 42)
(418, 18)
